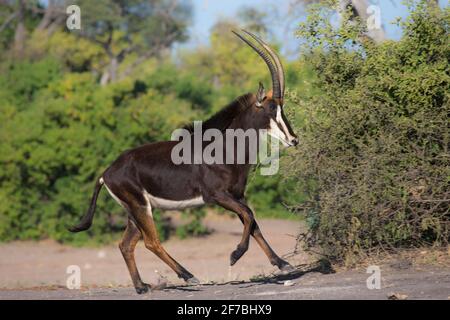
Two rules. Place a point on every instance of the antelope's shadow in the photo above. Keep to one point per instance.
(322, 266)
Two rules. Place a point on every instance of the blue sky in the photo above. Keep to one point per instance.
(208, 12)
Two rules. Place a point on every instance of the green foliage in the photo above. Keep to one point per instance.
(374, 158)
(20, 81)
(163, 226)
(194, 227)
(271, 196)
(184, 84)
(55, 143)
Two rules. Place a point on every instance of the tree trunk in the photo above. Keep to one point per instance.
(110, 73)
(53, 18)
(20, 32)
(48, 15)
(105, 78)
(113, 66)
(360, 9)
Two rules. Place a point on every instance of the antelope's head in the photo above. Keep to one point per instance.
(267, 110)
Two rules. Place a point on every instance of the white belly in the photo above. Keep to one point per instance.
(166, 204)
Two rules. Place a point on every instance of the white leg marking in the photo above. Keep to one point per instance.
(149, 205)
(149, 211)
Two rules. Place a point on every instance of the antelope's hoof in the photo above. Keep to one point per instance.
(235, 256)
(287, 268)
(192, 281)
(143, 289)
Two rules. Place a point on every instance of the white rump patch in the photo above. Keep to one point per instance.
(112, 194)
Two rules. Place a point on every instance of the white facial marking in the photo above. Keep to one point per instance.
(280, 120)
(281, 134)
(166, 204)
(275, 132)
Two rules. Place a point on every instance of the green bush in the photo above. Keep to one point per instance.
(374, 157)
(58, 140)
(194, 226)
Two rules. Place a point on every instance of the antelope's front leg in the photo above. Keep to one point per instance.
(245, 214)
(274, 259)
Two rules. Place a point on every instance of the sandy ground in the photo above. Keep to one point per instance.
(38, 271)
(31, 264)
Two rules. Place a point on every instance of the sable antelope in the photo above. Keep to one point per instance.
(145, 177)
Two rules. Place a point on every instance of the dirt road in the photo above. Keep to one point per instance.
(411, 284)
(38, 271)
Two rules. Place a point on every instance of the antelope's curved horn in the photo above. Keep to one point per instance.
(275, 58)
(272, 68)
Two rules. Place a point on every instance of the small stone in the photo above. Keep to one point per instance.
(289, 283)
(397, 296)
(160, 285)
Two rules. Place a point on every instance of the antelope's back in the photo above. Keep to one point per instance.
(151, 168)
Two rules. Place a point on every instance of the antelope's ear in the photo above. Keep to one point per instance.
(260, 95)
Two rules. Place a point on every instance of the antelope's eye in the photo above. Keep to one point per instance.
(273, 107)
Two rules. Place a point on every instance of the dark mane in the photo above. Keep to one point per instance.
(223, 118)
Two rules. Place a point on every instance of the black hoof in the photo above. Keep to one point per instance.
(287, 268)
(143, 289)
(235, 256)
(192, 281)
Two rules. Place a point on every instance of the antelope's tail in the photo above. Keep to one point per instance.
(86, 221)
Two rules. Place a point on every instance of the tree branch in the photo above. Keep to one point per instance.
(8, 21)
(141, 59)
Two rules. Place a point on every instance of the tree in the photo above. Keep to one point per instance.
(20, 18)
(359, 9)
(254, 20)
(137, 29)
(362, 9)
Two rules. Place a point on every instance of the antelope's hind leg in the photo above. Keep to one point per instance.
(130, 238)
(144, 220)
